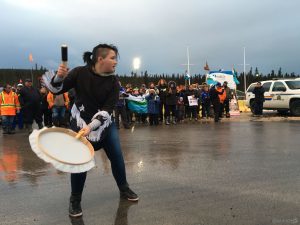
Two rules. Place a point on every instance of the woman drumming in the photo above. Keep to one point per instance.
(97, 92)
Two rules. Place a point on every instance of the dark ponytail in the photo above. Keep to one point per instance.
(87, 58)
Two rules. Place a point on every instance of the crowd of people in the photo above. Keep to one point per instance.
(167, 103)
(20, 106)
(171, 104)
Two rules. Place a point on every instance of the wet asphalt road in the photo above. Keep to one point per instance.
(238, 172)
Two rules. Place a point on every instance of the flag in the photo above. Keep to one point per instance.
(137, 104)
(234, 71)
(30, 57)
(187, 76)
(206, 67)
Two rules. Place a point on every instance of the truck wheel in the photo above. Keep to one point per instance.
(295, 108)
(252, 106)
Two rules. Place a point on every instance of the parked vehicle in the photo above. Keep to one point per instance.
(282, 95)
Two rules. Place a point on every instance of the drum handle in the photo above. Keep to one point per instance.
(79, 134)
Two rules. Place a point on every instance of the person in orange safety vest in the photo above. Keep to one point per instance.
(9, 106)
(222, 98)
(58, 104)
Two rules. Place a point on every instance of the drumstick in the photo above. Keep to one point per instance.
(79, 134)
(64, 55)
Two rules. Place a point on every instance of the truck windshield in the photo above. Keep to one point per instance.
(293, 84)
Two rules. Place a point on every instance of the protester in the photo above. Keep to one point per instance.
(153, 103)
(182, 93)
(171, 101)
(18, 120)
(191, 95)
(205, 102)
(120, 109)
(30, 99)
(129, 113)
(162, 89)
(198, 92)
(9, 107)
(58, 105)
(142, 92)
(227, 100)
(137, 116)
(152, 87)
(215, 100)
(46, 111)
(180, 109)
(222, 99)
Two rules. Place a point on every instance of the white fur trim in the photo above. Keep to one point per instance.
(58, 165)
(94, 135)
(46, 80)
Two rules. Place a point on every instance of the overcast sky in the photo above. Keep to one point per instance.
(157, 31)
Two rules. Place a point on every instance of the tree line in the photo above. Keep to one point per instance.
(13, 77)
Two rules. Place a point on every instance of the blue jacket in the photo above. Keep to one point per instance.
(153, 103)
(121, 101)
(205, 97)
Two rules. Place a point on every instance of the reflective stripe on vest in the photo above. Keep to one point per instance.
(2, 94)
(3, 102)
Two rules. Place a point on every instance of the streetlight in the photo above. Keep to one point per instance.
(245, 81)
(136, 63)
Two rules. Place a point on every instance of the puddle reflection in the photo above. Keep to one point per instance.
(9, 160)
(121, 217)
(17, 161)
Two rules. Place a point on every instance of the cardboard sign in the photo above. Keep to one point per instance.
(192, 101)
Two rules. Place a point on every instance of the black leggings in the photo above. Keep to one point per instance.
(169, 109)
(112, 148)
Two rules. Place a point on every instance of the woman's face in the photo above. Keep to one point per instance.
(161, 82)
(43, 90)
(109, 63)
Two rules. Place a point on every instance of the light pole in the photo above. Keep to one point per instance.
(245, 82)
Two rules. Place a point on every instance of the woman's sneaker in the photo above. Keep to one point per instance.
(75, 206)
(128, 194)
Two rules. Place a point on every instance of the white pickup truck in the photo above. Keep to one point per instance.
(282, 95)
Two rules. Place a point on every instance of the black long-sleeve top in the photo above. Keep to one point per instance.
(214, 95)
(93, 92)
(163, 89)
(30, 97)
(171, 97)
(189, 93)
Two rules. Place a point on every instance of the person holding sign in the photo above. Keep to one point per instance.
(97, 92)
(192, 98)
(214, 93)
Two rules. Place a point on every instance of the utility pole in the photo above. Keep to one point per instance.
(244, 64)
(188, 64)
(245, 81)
